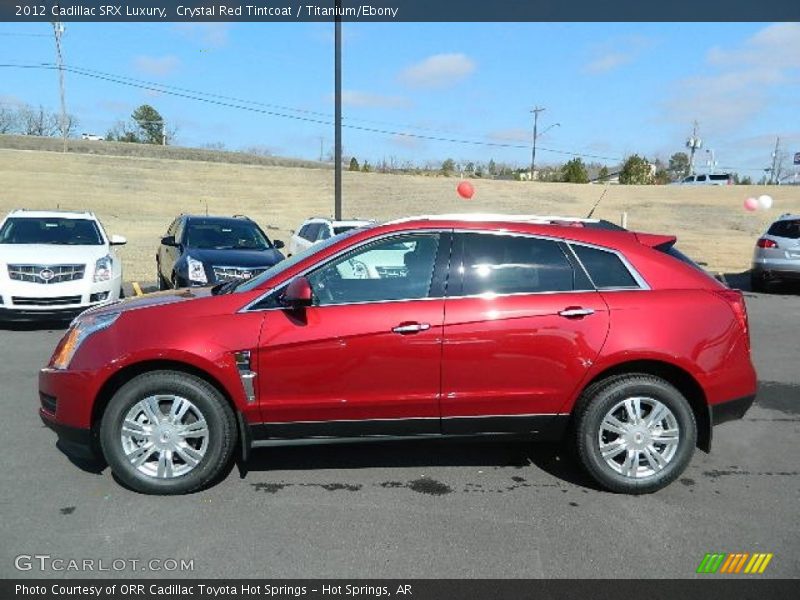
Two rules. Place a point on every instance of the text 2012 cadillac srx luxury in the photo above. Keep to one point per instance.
(425, 327)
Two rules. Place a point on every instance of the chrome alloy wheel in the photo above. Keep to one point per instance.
(164, 436)
(638, 437)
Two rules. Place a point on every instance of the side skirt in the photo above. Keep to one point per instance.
(302, 433)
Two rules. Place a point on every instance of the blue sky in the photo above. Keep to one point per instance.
(615, 89)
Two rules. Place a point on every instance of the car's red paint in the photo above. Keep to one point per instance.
(481, 356)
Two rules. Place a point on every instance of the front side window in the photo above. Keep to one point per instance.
(501, 264)
(311, 231)
(51, 230)
(398, 268)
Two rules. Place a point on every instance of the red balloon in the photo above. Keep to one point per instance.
(466, 190)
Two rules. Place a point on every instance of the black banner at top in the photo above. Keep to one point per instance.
(399, 10)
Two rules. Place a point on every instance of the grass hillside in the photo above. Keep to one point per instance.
(137, 197)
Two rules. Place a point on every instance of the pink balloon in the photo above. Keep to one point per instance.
(751, 204)
(466, 190)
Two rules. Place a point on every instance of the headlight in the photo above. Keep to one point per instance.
(197, 272)
(81, 328)
(102, 269)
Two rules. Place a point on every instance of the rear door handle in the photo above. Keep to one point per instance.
(576, 312)
(405, 328)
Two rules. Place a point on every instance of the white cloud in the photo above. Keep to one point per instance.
(153, 66)
(517, 134)
(616, 53)
(207, 34)
(357, 99)
(438, 71)
(742, 81)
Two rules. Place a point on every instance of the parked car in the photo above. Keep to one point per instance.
(776, 257)
(55, 264)
(708, 179)
(202, 250)
(92, 137)
(318, 229)
(504, 327)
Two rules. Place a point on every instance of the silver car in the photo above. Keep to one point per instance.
(777, 254)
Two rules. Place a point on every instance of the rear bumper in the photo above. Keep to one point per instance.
(730, 411)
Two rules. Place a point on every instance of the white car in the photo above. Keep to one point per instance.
(318, 229)
(55, 264)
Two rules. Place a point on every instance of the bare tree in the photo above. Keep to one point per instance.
(9, 120)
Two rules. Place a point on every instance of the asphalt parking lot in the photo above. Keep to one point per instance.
(422, 510)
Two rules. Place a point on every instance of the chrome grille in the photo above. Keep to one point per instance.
(234, 273)
(52, 301)
(46, 273)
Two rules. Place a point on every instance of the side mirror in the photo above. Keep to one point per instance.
(278, 244)
(117, 240)
(298, 293)
(168, 241)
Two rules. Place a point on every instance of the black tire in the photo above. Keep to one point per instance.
(219, 418)
(600, 398)
(162, 283)
(757, 283)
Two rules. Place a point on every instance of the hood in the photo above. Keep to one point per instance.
(154, 299)
(236, 258)
(50, 254)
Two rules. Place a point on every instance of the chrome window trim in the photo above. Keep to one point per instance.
(642, 283)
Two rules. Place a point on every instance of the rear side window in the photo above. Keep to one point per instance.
(788, 228)
(605, 268)
(502, 264)
(719, 177)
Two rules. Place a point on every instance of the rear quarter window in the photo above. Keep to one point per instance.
(605, 268)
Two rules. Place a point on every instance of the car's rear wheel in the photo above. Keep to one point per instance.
(635, 433)
(168, 432)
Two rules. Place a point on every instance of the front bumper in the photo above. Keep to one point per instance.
(74, 441)
(19, 315)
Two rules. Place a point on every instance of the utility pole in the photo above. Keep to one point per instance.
(58, 31)
(321, 145)
(772, 175)
(337, 94)
(694, 143)
(536, 110)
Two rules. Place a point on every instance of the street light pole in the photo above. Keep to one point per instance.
(337, 93)
(535, 112)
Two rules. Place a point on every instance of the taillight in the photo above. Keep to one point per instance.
(766, 243)
(736, 301)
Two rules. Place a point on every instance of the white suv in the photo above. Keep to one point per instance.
(319, 228)
(55, 264)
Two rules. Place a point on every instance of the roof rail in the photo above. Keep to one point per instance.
(537, 219)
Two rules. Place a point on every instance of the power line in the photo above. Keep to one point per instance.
(242, 105)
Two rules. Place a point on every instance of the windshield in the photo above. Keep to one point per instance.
(249, 284)
(225, 235)
(51, 230)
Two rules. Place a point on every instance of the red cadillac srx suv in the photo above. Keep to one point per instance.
(442, 326)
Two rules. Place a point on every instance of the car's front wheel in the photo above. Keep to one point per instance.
(635, 433)
(167, 432)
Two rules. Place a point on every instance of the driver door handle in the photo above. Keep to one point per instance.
(405, 328)
(575, 312)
